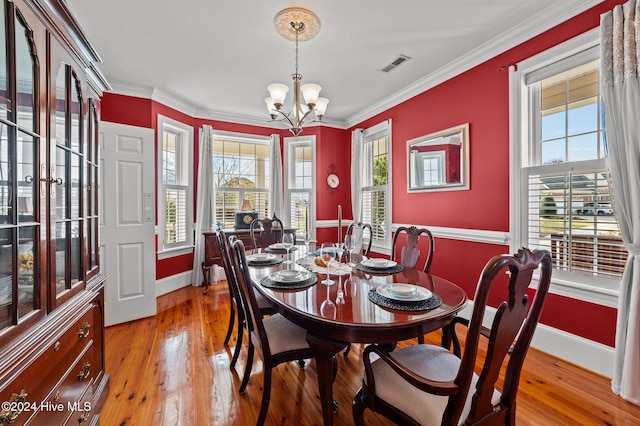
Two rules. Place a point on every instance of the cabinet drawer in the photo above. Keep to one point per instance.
(63, 401)
(40, 376)
(75, 338)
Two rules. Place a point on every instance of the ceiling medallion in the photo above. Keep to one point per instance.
(288, 20)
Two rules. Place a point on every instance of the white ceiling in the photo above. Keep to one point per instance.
(215, 58)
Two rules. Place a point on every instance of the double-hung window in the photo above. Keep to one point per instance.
(176, 199)
(241, 167)
(376, 191)
(300, 185)
(565, 200)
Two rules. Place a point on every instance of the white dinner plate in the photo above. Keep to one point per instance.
(277, 246)
(420, 294)
(261, 257)
(379, 263)
(289, 276)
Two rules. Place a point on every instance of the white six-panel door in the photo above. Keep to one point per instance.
(128, 214)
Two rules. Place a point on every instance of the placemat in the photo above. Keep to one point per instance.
(386, 271)
(271, 262)
(269, 283)
(422, 305)
(279, 250)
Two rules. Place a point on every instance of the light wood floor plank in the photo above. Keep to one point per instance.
(173, 369)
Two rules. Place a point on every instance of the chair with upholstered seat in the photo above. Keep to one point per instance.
(408, 255)
(276, 339)
(361, 240)
(265, 232)
(427, 384)
(236, 309)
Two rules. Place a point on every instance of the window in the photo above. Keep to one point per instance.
(176, 201)
(300, 184)
(565, 198)
(241, 172)
(376, 191)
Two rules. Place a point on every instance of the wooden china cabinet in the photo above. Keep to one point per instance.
(51, 288)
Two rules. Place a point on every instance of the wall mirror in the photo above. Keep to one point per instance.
(439, 161)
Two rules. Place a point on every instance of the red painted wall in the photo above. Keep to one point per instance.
(479, 97)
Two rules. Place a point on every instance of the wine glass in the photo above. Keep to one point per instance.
(327, 248)
(287, 242)
(339, 253)
(348, 246)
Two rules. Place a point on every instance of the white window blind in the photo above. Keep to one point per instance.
(571, 215)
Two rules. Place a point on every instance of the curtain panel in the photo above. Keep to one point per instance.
(205, 204)
(620, 57)
(276, 191)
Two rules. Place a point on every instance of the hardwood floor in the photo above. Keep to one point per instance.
(173, 369)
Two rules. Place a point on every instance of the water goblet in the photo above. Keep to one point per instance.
(287, 242)
(327, 248)
(348, 246)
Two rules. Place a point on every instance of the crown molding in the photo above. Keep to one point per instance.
(543, 21)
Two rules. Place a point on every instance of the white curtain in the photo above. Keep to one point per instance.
(276, 194)
(620, 47)
(206, 203)
(357, 157)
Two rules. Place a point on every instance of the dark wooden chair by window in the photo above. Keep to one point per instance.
(361, 239)
(427, 384)
(265, 232)
(237, 306)
(409, 253)
(276, 339)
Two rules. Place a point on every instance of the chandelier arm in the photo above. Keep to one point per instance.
(284, 117)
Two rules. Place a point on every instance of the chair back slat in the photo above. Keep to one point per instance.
(361, 241)
(265, 232)
(408, 255)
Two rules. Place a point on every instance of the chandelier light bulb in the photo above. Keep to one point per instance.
(321, 107)
(310, 92)
(273, 112)
(278, 92)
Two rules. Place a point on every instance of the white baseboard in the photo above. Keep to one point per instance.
(173, 283)
(577, 350)
(177, 281)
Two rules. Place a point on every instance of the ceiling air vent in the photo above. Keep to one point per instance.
(396, 62)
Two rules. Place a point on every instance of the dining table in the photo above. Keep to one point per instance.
(356, 308)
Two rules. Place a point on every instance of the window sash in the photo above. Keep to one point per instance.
(175, 233)
(570, 214)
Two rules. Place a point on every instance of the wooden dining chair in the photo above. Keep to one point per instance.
(408, 255)
(276, 339)
(361, 241)
(237, 305)
(265, 232)
(427, 384)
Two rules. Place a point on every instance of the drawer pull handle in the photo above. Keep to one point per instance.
(56, 346)
(56, 397)
(84, 416)
(84, 330)
(85, 372)
(9, 415)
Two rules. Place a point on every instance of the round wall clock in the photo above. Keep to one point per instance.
(247, 218)
(333, 181)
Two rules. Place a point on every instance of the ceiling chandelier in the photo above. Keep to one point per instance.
(300, 25)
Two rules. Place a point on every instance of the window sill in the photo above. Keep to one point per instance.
(590, 290)
(173, 252)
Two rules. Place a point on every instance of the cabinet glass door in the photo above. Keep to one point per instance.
(20, 227)
(69, 181)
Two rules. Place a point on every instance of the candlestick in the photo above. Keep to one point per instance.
(339, 223)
